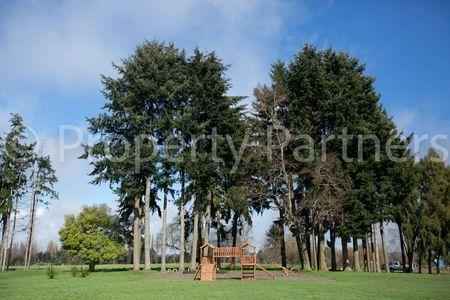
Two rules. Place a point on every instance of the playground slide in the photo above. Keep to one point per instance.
(196, 273)
(286, 271)
(267, 272)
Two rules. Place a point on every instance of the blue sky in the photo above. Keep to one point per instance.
(53, 52)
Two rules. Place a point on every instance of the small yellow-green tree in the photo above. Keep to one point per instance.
(89, 236)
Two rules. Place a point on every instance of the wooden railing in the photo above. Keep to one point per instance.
(227, 252)
(248, 259)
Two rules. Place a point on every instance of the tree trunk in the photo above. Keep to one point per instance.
(298, 242)
(2, 242)
(365, 254)
(31, 233)
(430, 259)
(307, 240)
(369, 252)
(410, 261)
(147, 248)
(306, 259)
(194, 242)
(383, 246)
(5, 240)
(282, 241)
(30, 229)
(420, 262)
(12, 233)
(91, 268)
(333, 249)
(402, 245)
(313, 250)
(283, 250)
(208, 218)
(438, 268)
(297, 228)
(356, 265)
(200, 238)
(345, 261)
(234, 231)
(218, 230)
(375, 244)
(182, 212)
(28, 241)
(25, 258)
(322, 262)
(164, 233)
(137, 235)
(218, 234)
(372, 250)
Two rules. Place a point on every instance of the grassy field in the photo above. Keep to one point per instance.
(118, 282)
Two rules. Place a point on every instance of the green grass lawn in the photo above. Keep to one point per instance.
(118, 282)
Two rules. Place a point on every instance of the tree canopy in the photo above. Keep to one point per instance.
(89, 236)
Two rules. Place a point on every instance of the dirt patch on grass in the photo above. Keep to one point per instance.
(234, 275)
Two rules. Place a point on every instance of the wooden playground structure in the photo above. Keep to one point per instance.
(245, 255)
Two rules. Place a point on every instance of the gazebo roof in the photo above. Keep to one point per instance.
(207, 245)
(247, 243)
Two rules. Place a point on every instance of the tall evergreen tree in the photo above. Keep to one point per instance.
(209, 117)
(15, 160)
(327, 96)
(434, 204)
(43, 180)
(132, 127)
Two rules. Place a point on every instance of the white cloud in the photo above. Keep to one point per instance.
(405, 119)
(66, 45)
(50, 220)
(69, 43)
(425, 118)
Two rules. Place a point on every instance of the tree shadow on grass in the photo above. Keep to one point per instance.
(228, 278)
(107, 270)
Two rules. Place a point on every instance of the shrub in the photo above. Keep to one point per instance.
(51, 273)
(74, 271)
(84, 272)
